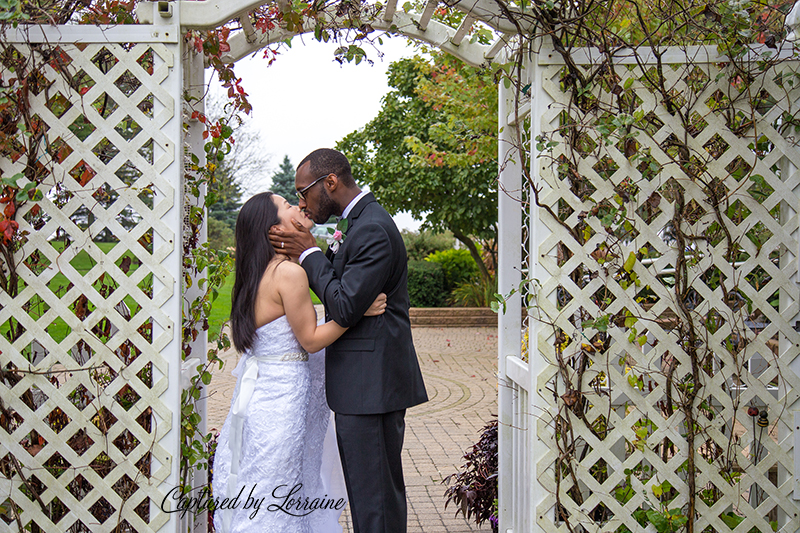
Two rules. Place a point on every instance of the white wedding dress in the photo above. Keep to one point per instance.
(281, 429)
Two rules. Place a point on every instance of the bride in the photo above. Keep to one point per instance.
(276, 460)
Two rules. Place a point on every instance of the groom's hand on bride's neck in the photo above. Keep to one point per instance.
(291, 242)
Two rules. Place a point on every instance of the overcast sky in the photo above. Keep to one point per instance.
(306, 100)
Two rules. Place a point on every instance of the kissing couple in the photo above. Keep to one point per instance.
(360, 363)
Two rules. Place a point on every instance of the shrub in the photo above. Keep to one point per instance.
(474, 487)
(421, 244)
(425, 284)
(220, 235)
(458, 266)
(475, 292)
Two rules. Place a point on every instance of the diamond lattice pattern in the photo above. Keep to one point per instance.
(92, 288)
(611, 265)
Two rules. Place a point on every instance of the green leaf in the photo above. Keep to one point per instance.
(731, 519)
(628, 266)
(12, 181)
(659, 521)
(624, 494)
(678, 521)
(642, 340)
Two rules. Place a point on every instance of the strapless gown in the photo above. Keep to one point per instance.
(281, 429)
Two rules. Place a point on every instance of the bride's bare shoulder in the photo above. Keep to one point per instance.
(291, 273)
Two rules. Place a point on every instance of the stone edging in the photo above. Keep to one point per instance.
(453, 317)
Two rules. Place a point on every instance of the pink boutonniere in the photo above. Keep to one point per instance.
(337, 235)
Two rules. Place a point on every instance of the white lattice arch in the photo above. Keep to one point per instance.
(527, 452)
(211, 14)
(133, 393)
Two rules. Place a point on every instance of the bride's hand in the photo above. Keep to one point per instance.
(378, 307)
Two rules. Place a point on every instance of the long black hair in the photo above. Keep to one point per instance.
(253, 254)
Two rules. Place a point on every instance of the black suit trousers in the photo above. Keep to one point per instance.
(370, 447)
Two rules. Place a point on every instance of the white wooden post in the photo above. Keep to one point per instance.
(194, 86)
(174, 263)
(788, 433)
(509, 276)
(540, 103)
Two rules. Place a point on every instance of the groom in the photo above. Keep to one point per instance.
(372, 373)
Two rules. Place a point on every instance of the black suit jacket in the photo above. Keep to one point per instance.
(373, 367)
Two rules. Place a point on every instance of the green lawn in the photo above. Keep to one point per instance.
(221, 308)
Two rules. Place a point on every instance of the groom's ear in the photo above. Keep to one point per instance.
(332, 183)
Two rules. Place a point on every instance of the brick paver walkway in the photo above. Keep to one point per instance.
(459, 366)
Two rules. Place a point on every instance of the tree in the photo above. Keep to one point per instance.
(220, 235)
(283, 180)
(226, 191)
(420, 153)
(239, 172)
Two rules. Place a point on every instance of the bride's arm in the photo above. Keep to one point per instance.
(294, 292)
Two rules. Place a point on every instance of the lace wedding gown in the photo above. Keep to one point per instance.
(279, 436)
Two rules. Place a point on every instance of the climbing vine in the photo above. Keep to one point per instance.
(658, 203)
(653, 220)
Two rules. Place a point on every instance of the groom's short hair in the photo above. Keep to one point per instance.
(327, 160)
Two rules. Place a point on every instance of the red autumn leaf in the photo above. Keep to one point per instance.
(8, 228)
(9, 210)
(205, 134)
(86, 175)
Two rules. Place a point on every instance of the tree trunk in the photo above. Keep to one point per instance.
(473, 250)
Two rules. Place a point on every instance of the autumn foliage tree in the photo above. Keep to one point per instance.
(431, 149)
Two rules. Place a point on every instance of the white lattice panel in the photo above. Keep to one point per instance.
(96, 312)
(626, 427)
